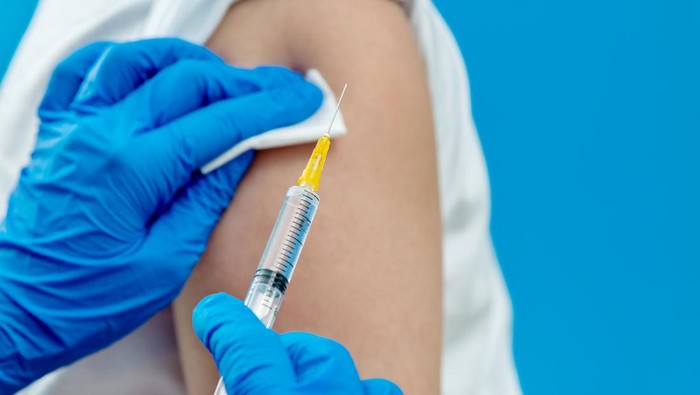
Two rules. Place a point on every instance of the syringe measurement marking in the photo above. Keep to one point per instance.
(301, 226)
(285, 265)
(302, 222)
(294, 237)
(285, 254)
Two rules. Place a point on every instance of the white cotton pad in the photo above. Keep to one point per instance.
(304, 132)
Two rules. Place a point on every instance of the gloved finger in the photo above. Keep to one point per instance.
(322, 363)
(191, 84)
(190, 218)
(380, 387)
(250, 357)
(123, 67)
(187, 144)
(68, 76)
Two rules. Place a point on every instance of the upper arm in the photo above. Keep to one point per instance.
(370, 273)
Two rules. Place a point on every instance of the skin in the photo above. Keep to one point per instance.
(370, 273)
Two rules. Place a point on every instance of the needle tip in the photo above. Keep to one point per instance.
(337, 108)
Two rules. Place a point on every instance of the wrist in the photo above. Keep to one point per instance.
(23, 336)
(10, 363)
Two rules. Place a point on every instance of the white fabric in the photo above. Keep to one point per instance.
(477, 357)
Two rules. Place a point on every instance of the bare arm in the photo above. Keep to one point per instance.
(370, 273)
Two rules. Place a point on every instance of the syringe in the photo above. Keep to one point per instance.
(287, 239)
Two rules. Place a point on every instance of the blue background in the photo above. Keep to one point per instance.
(589, 113)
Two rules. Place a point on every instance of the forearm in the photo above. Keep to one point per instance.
(9, 361)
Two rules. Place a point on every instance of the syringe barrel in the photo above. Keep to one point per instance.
(281, 253)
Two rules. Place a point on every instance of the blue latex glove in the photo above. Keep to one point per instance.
(254, 360)
(110, 216)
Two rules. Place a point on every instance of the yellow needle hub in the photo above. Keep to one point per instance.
(311, 176)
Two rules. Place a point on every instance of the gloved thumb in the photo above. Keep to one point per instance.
(250, 357)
